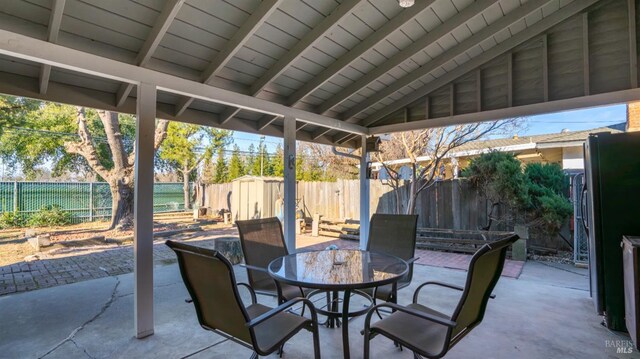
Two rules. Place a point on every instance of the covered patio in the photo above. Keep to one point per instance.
(330, 72)
(545, 313)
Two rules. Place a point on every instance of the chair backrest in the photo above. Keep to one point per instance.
(262, 241)
(394, 234)
(209, 278)
(484, 271)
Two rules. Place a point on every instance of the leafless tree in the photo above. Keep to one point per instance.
(426, 151)
(335, 166)
(120, 176)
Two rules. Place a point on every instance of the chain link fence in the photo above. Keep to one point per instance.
(580, 238)
(87, 202)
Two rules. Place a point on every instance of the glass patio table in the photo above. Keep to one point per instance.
(339, 270)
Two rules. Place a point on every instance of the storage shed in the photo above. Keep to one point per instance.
(255, 197)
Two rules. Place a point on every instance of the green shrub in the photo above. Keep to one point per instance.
(554, 210)
(538, 190)
(545, 178)
(51, 215)
(499, 177)
(11, 220)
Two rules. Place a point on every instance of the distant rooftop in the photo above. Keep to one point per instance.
(560, 138)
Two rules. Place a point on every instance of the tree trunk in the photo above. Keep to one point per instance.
(120, 176)
(121, 204)
(185, 188)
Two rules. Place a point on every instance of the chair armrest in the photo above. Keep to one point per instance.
(441, 284)
(416, 313)
(252, 292)
(409, 261)
(281, 308)
(250, 267)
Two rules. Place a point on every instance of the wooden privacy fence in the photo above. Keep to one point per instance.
(446, 204)
(450, 204)
(452, 240)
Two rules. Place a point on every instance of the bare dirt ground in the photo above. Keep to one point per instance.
(14, 247)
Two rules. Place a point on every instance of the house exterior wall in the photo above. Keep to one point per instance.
(633, 116)
(572, 158)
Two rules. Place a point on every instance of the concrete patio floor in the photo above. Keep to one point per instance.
(546, 313)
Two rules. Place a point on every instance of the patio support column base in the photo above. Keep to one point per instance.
(364, 195)
(290, 183)
(143, 211)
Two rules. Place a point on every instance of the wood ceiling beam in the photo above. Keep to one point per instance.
(23, 86)
(447, 56)
(31, 49)
(265, 121)
(345, 60)
(633, 45)
(607, 98)
(471, 11)
(532, 31)
(240, 37)
(311, 38)
(159, 29)
(55, 20)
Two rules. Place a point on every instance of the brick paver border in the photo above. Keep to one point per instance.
(26, 276)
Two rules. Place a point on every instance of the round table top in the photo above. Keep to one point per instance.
(338, 269)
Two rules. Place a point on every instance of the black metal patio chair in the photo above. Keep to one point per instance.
(210, 280)
(262, 241)
(430, 333)
(393, 234)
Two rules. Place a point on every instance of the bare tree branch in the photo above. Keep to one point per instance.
(85, 147)
(426, 151)
(111, 125)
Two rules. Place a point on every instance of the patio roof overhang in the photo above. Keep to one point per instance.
(342, 69)
(324, 71)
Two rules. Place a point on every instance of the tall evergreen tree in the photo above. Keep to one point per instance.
(259, 163)
(236, 165)
(268, 164)
(250, 162)
(276, 162)
(182, 150)
(221, 174)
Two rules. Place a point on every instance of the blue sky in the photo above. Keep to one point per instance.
(575, 120)
(533, 125)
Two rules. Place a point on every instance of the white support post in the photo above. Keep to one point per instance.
(143, 211)
(290, 183)
(364, 196)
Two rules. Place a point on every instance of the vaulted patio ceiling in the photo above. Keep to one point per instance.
(341, 67)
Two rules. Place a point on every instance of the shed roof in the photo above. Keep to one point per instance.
(366, 63)
(248, 178)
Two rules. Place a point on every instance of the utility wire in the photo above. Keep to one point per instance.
(100, 139)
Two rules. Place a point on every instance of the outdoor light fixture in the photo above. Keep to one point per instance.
(406, 3)
(373, 144)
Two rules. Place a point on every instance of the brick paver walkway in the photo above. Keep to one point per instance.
(45, 273)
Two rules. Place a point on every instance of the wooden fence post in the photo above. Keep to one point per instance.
(455, 203)
(315, 226)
